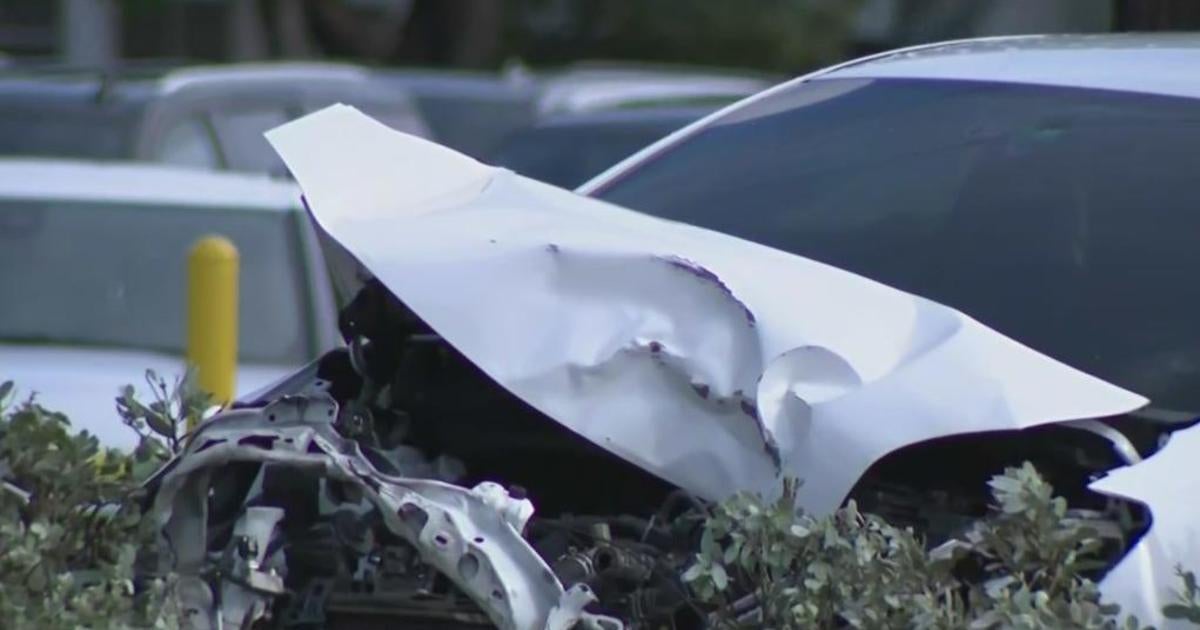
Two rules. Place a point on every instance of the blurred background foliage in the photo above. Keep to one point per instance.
(786, 36)
(778, 35)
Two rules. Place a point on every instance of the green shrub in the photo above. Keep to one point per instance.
(71, 533)
(803, 572)
(1187, 601)
(70, 527)
(769, 565)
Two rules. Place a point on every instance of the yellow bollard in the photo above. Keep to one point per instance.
(212, 316)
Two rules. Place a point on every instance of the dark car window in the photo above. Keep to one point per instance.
(568, 155)
(113, 274)
(1065, 218)
(45, 130)
(474, 126)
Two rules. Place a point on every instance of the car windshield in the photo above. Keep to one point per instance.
(114, 275)
(1064, 218)
(567, 155)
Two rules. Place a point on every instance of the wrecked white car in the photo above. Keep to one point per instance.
(539, 389)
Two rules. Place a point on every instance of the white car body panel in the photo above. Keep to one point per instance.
(250, 72)
(1145, 580)
(83, 383)
(129, 182)
(588, 89)
(616, 92)
(718, 364)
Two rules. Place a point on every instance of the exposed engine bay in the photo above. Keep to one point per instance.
(394, 484)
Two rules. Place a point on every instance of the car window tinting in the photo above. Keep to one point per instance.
(114, 275)
(79, 132)
(1065, 218)
(567, 156)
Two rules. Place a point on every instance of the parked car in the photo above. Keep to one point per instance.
(568, 149)
(468, 112)
(93, 272)
(210, 117)
(512, 345)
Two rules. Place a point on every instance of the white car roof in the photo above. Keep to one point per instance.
(128, 182)
(1149, 63)
(285, 71)
(598, 88)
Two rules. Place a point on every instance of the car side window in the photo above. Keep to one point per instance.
(240, 131)
(189, 142)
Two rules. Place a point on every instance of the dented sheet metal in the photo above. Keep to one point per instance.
(716, 363)
(472, 536)
(1145, 580)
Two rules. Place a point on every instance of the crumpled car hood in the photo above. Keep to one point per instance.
(716, 363)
